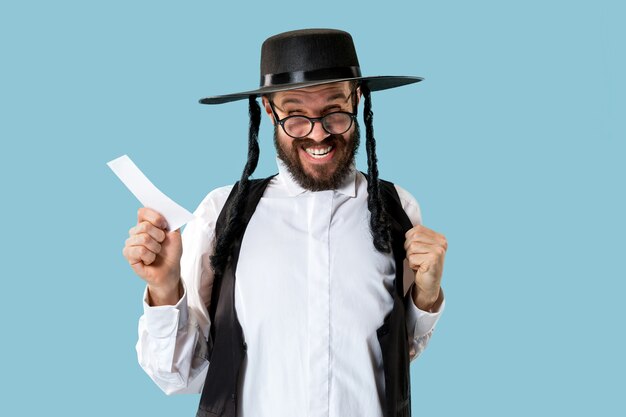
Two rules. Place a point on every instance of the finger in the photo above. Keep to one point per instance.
(419, 247)
(144, 239)
(426, 235)
(152, 216)
(131, 255)
(422, 262)
(421, 230)
(147, 227)
(425, 239)
(139, 268)
(135, 254)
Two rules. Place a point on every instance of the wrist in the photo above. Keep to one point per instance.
(427, 301)
(160, 295)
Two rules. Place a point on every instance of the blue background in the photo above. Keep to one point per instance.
(513, 145)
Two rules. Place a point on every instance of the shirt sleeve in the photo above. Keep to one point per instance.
(420, 323)
(172, 343)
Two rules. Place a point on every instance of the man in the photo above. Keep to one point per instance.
(306, 293)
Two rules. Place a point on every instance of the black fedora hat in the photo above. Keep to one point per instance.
(308, 57)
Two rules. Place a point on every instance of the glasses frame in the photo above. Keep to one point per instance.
(314, 120)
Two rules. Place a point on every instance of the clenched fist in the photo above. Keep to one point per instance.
(154, 254)
(425, 252)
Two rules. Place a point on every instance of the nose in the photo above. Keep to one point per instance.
(318, 133)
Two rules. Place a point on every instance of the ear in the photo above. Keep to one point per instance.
(268, 109)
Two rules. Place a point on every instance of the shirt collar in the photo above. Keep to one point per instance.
(347, 187)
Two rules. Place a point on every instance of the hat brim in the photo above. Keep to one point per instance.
(375, 83)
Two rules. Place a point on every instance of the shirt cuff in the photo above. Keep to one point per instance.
(420, 321)
(162, 321)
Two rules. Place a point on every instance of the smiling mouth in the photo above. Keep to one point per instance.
(319, 152)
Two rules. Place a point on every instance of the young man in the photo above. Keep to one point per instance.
(307, 293)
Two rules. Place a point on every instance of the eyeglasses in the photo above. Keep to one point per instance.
(335, 123)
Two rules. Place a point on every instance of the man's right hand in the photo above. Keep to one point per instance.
(154, 254)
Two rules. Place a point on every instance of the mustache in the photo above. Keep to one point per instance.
(330, 140)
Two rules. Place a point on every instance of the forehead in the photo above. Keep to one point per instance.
(326, 92)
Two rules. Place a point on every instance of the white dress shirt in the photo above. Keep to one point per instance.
(310, 292)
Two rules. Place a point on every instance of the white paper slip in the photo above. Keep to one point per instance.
(148, 194)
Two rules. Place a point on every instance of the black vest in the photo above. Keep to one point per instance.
(226, 345)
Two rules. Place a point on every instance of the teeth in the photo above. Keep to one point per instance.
(319, 152)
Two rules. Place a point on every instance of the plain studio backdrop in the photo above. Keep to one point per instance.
(513, 145)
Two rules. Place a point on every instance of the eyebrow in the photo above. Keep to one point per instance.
(295, 100)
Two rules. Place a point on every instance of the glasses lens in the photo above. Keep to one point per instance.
(297, 126)
(337, 123)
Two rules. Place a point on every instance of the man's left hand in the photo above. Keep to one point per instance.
(425, 252)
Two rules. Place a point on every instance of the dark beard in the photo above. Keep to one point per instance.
(346, 149)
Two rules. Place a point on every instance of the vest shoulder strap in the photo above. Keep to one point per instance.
(392, 335)
(225, 345)
(255, 192)
(256, 189)
(399, 224)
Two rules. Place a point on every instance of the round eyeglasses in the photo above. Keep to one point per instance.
(298, 127)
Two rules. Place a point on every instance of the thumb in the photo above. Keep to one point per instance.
(139, 268)
(169, 232)
(175, 235)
